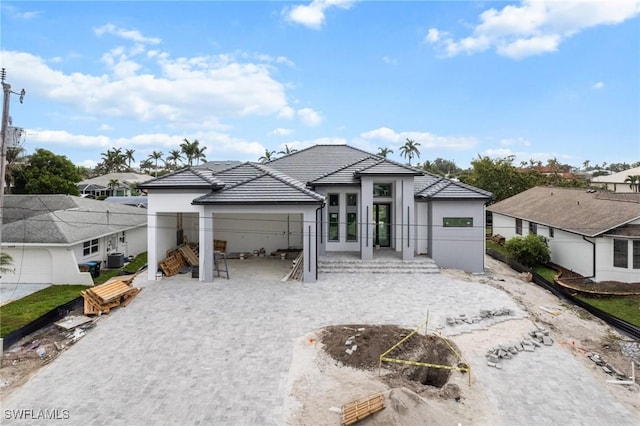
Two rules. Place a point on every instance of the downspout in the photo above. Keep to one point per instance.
(593, 268)
(320, 242)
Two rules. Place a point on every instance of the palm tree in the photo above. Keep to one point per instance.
(146, 166)
(128, 155)
(192, 151)
(409, 149)
(383, 152)
(173, 158)
(155, 156)
(14, 160)
(585, 165)
(113, 184)
(634, 182)
(287, 150)
(6, 261)
(199, 154)
(268, 155)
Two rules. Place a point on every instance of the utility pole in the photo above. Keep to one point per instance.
(6, 90)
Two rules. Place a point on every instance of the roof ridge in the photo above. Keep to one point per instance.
(288, 180)
(339, 169)
(248, 163)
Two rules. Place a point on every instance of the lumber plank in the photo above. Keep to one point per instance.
(355, 411)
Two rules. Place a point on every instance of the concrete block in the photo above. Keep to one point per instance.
(547, 340)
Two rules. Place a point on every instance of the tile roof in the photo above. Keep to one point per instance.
(430, 186)
(64, 219)
(123, 178)
(187, 178)
(311, 163)
(253, 183)
(617, 177)
(588, 213)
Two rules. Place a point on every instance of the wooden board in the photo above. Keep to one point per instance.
(110, 291)
(355, 411)
(171, 265)
(190, 255)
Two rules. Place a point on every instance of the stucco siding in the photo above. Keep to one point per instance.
(459, 247)
(606, 270)
(249, 232)
(55, 265)
(422, 228)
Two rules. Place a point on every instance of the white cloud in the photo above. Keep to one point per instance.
(519, 141)
(313, 15)
(426, 140)
(15, 13)
(280, 132)
(389, 60)
(534, 26)
(598, 85)
(184, 90)
(302, 144)
(309, 117)
(105, 128)
(132, 35)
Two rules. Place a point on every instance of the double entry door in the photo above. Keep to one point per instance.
(382, 224)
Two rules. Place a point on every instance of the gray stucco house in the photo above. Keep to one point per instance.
(326, 198)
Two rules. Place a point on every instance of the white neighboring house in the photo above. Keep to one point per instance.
(48, 236)
(616, 182)
(99, 186)
(326, 198)
(592, 232)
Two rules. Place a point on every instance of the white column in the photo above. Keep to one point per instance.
(152, 247)
(366, 218)
(409, 219)
(205, 228)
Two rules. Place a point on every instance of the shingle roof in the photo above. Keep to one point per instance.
(429, 186)
(64, 219)
(218, 166)
(252, 183)
(588, 213)
(123, 178)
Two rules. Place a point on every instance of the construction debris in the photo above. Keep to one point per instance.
(70, 322)
(297, 269)
(102, 298)
(484, 314)
(535, 339)
(355, 411)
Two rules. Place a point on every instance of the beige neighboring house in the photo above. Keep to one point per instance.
(49, 236)
(595, 233)
(616, 182)
(99, 186)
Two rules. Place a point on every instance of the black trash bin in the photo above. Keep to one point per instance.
(94, 268)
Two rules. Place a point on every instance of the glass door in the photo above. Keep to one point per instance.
(382, 224)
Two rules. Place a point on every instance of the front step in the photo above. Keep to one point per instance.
(380, 266)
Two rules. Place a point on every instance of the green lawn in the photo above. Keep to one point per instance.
(546, 273)
(626, 308)
(21, 312)
(130, 268)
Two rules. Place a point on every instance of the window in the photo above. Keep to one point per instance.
(352, 217)
(334, 224)
(457, 222)
(334, 217)
(636, 255)
(519, 226)
(551, 232)
(620, 248)
(382, 190)
(90, 247)
(533, 228)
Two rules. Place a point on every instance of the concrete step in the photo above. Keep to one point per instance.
(381, 266)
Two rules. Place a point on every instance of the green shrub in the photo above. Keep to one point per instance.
(529, 251)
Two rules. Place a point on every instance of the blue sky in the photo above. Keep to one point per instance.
(535, 79)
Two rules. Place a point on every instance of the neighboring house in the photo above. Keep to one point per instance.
(616, 182)
(48, 236)
(133, 201)
(99, 186)
(594, 233)
(321, 199)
